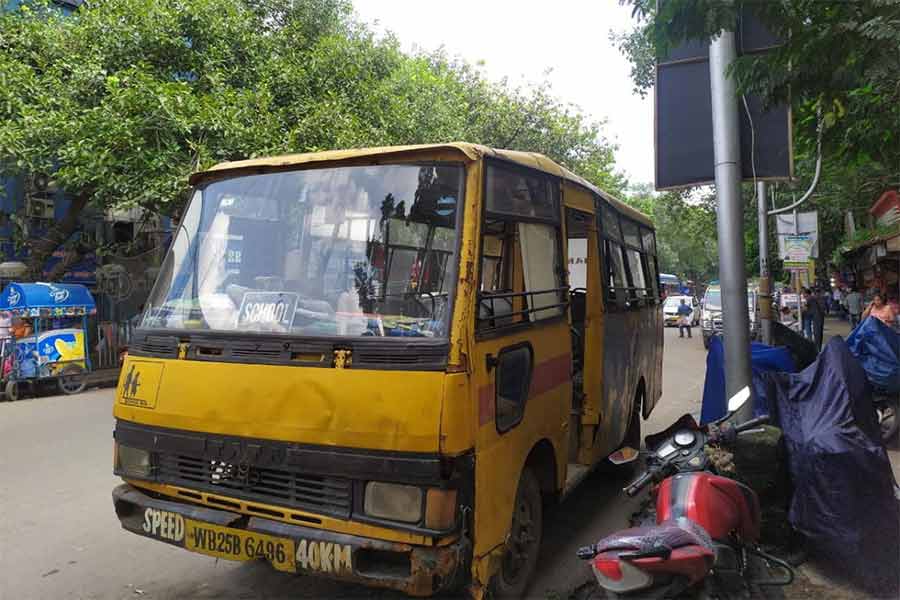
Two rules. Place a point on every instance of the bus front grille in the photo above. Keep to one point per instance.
(315, 493)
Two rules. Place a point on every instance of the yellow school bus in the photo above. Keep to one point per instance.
(380, 365)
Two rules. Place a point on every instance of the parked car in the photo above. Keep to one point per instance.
(711, 314)
(670, 309)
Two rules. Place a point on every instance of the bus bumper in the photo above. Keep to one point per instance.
(414, 570)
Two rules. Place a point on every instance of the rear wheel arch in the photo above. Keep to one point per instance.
(542, 462)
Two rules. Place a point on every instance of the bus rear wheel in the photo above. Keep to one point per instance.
(524, 540)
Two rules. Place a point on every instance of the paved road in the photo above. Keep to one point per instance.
(59, 537)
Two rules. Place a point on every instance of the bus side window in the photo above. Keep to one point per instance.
(615, 279)
(521, 264)
(617, 292)
(651, 270)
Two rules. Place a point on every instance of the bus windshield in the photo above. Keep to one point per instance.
(346, 251)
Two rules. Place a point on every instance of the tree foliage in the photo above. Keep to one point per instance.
(121, 101)
(685, 231)
(839, 66)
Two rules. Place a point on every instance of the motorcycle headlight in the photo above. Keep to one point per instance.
(132, 462)
(393, 501)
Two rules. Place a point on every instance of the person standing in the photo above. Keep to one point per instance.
(881, 310)
(836, 300)
(685, 318)
(807, 316)
(854, 302)
(819, 317)
(813, 317)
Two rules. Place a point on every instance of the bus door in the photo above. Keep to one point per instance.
(521, 357)
(586, 308)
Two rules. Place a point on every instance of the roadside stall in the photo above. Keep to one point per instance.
(46, 341)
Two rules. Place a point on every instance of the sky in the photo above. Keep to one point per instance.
(565, 42)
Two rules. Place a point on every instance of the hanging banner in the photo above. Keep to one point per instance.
(807, 225)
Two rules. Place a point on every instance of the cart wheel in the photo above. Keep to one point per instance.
(12, 391)
(72, 380)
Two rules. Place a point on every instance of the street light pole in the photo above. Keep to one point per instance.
(730, 220)
(765, 282)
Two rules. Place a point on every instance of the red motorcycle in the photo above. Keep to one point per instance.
(703, 542)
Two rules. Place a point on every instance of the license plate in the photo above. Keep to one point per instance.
(234, 544)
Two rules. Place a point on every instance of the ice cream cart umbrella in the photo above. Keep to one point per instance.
(49, 353)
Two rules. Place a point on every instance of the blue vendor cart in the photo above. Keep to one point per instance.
(55, 348)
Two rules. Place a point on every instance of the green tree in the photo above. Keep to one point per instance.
(838, 60)
(121, 101)
(685, 230)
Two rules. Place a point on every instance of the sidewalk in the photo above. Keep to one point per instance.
(835, 326)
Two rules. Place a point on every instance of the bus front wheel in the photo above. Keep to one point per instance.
(524, 540)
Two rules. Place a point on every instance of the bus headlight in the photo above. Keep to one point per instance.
(393, 501)
(132, 462)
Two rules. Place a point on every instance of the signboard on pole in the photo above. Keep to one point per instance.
(807, 223)
(797, 249)
(683, 107)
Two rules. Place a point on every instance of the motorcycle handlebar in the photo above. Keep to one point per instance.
(752, 423)
(640, 483)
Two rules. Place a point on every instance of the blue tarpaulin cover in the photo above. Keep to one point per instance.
(843, 499)
(763, 359)
(877, 348)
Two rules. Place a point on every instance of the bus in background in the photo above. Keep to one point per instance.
(372, 365)
(671, 284)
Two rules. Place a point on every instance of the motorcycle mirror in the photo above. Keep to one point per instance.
(738, 400)
(624, 455)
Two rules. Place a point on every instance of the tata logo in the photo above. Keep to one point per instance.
(14, 296)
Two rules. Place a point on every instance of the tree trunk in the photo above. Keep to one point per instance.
(42, 248)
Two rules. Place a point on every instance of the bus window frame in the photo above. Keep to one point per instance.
(554, 187)
(631, 299)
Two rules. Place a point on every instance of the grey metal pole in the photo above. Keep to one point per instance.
(730, 220)
(765, 281)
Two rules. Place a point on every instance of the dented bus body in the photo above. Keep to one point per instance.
(374, 365)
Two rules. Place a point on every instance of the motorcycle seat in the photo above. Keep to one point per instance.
(666, 536)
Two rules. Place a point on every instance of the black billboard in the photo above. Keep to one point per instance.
(683, 111)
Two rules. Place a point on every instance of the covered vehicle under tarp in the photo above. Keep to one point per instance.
(877, 348)
(763, 359)
(843, 499)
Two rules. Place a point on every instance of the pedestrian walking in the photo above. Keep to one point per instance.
(836, 296)
(685, 318)
(854, 302)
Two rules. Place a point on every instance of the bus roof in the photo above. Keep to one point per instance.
(471, 152)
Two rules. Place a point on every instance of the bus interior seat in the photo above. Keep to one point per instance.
(496, 310)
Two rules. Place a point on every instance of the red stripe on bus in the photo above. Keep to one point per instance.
(486, 406)
(546, 376)
(550, 374)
